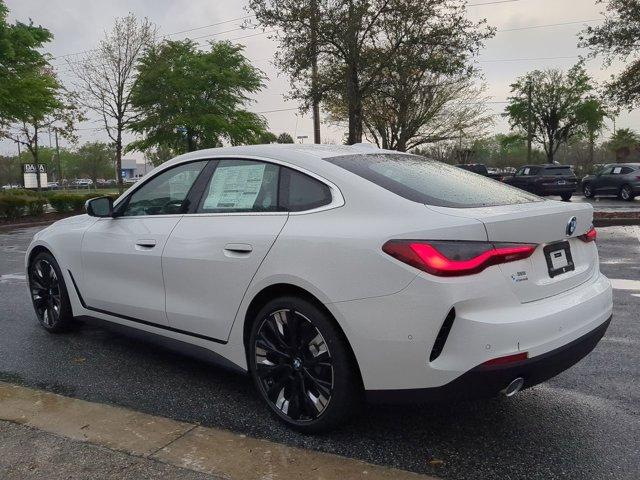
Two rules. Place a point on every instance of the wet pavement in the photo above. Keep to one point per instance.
(585, 423)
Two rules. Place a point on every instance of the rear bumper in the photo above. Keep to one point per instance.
(483, 381)
(557, 189)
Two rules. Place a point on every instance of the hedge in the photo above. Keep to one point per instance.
(17, 204)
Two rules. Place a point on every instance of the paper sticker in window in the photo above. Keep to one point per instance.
(617, 170)
(235, 187)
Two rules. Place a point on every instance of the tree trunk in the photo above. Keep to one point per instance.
(354, 103)
(550, 152)
(119, 160)
(191, 144)
(36, 155)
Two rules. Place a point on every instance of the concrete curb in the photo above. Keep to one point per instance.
(193, 447)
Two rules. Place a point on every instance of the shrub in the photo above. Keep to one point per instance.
(62, 202)
(12, 206)
(36, 205)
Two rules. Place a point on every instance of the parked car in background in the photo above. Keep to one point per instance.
(129, 181)
(545, 180)
(11, 186)
(53, 185)
(82, 182)
(621, 179)
(480, 169)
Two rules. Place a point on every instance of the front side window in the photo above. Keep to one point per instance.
(430, 182)
(166, 193)
(241, 186)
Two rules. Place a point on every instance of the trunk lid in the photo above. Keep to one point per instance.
(544, 224)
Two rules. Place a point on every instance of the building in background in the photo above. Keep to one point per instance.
(132, 168)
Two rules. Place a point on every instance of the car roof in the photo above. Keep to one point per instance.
(294, 153)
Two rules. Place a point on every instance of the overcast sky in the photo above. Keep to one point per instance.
(77, 25)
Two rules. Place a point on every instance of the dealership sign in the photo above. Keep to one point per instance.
(30, 172)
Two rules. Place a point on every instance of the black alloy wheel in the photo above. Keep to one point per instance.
(49, 294)
(626, 193)
(301, 366)
(587, 190)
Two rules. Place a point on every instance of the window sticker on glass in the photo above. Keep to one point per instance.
(617, 170)
(526, 171)
(235, 187)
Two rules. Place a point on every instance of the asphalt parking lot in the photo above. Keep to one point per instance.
(585, 423)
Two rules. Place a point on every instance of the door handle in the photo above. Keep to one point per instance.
(146, 243)
(238, 247)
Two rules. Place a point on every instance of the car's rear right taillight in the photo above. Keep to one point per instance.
(455, 258)
(590, 236)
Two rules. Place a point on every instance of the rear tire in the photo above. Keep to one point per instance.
(626, 193)
(587, 189)
(566, 197)
(302, 366)
(49, 294)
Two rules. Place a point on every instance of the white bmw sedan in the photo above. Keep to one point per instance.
(329, 273)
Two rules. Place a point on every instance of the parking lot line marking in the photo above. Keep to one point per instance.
(624, 284)
(203, 449)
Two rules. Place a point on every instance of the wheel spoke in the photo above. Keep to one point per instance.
(265, 344)
(266, 371)
(322, 386)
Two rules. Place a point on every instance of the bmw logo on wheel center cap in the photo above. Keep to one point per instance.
(571, 226)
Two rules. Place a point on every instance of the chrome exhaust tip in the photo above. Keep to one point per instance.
(514, 387)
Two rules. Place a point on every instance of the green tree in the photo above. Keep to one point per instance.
(592, 112)
(185, 97)
(96, 160)
(623, 142)
(617, 38)
(24, 82)
(557, 109)
(351, 44)
(284, 138)
(159, 154)
(107, 75)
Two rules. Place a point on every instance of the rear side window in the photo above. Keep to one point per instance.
(430, 182)
(527, 171)
(300, 192)
(557, 171)
(241, 186)
(626, 170)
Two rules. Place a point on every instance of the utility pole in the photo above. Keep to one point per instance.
(314, 71)
(55, 131)
(529, 134)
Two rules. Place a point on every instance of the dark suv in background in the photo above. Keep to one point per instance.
(480, 169)
(621, 179)
(545, 180)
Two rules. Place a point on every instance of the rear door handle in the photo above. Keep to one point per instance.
(146, 243)
(238, 247)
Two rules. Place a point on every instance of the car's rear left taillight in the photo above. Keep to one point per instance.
(455, 258)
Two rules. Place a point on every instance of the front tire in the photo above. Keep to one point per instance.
(302, 366)
(587, 189)
(49, 294)
(626, 193)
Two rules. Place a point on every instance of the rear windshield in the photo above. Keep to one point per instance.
(557, 171)
(433, 183)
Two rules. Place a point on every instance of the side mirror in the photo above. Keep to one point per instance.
(99, 207)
